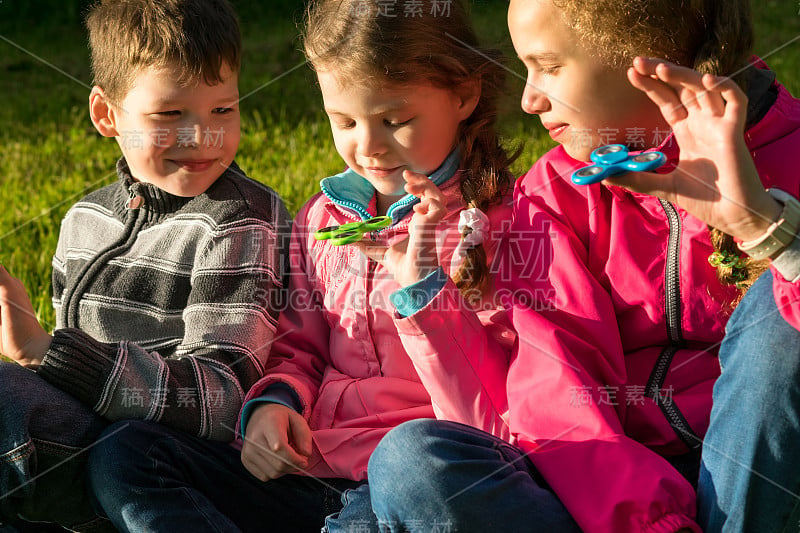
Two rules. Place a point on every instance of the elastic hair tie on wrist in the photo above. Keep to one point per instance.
(726, 259)
(734, 262)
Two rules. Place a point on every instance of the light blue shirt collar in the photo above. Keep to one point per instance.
(352, 191)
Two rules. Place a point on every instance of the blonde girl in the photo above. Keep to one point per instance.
(631, 333)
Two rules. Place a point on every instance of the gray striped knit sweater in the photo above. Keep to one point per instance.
(167, 312)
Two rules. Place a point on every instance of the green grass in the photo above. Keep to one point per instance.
(51, 156)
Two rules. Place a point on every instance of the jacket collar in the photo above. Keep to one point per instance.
(353, 192)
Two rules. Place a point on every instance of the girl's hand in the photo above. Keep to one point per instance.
(22, 338)
(716, 180)
(414, 258)
(278, 442)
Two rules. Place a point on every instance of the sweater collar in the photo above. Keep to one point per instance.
(354, 193)
(154, 200)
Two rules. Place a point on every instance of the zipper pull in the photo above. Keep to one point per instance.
(134, 201)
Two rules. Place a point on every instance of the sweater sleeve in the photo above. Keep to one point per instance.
(569, 342)
(230, 318)
(301, 350)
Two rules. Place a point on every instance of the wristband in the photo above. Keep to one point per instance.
(780, 234)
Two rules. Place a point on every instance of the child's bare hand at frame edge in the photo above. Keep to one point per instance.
(716, 180)
(22, 338)
(412, 259)
(277, 442)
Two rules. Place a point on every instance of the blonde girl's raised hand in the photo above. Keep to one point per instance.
(412, 259)
(22, 338)
(277, 442)
(715, 180)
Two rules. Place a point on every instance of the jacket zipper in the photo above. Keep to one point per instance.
(87, 274)
(672, 281)
(672, 310)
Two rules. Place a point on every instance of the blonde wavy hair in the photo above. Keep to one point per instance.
(711, 36)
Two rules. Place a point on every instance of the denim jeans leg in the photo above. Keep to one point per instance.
(148, 477)
(433, 475)
(356, 514)
(44, 437)
(750, 472)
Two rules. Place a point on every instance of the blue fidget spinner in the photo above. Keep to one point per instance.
(612, 160)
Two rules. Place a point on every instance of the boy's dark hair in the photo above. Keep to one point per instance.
(193, 37)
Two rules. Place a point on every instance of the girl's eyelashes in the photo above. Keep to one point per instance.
(171, 113)
(396, 123)
(223, 110)
(346, 125)
(549, 70)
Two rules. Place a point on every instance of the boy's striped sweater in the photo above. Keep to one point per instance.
(167, 311)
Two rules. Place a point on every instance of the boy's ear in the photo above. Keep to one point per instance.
(102, 113)
(469, 93)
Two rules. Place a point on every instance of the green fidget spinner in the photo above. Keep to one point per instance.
(352, 231)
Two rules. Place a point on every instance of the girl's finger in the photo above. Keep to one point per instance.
(711, 102)
(677, 75)
(662, 94)
(301, 436)
(707, 89)
(646, 66)
(420, 185)
(436, 209)
(686, 82)
(735, 99)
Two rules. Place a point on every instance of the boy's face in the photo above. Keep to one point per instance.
(582, 102)
(180, 139)
(382, 130)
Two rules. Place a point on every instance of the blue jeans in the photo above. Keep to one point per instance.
(433, 475)
(749, 475)
(750, 472)
(44, 437)
(148, 477)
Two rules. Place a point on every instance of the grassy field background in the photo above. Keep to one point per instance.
(50, 155)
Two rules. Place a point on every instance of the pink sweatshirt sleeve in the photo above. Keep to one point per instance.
(569, 344)
(455, 348)
(787, 298)
(300, 351)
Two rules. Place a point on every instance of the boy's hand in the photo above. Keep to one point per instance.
(414, 258)
(277, 442)
(21, 337)
(716, 180)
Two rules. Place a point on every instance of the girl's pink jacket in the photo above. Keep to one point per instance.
(596, 262)
(343, 349)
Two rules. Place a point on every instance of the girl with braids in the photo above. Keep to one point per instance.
(411, 102)
(631, 332)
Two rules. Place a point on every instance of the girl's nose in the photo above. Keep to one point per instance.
(371, 143)
(534, 100)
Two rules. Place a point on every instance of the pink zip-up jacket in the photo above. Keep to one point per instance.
(342, 348)
(606, 280)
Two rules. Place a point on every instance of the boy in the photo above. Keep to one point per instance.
(165, 284)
